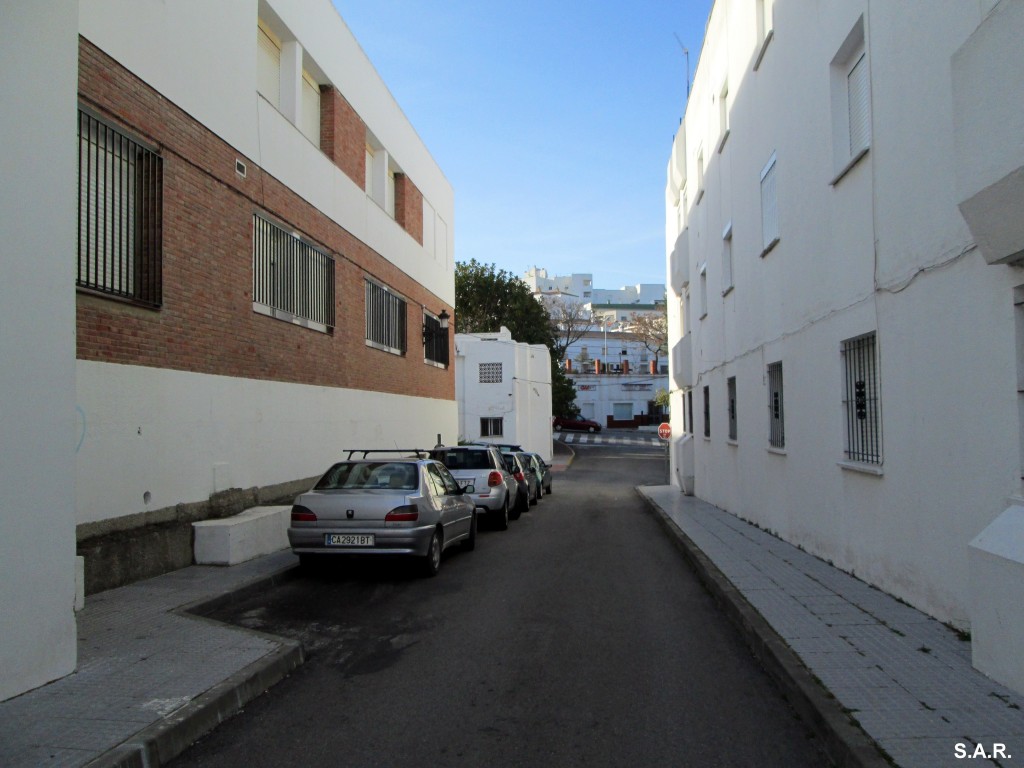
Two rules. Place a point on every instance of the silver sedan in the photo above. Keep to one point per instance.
(402, 506)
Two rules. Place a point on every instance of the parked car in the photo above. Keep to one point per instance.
(584, 425)
(496, 490)
(534, 475)
(544, 472)
(384, 506)
(517, 465)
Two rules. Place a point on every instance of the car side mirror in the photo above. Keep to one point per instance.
(470, 488)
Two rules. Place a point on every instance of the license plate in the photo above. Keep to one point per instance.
(348, 539)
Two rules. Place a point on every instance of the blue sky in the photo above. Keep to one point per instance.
(553, 120)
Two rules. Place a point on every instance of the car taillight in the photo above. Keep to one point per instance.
(494, 479)
(519, 476)
(302, 515)
(406, 514)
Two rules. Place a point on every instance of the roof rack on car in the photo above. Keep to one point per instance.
(421, 453)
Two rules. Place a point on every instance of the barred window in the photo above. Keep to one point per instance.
(707, 411)
(731, 387)
(435, 340)
(385, 319)
(490, 373)
(119, 214)
(292, 280)
(492, 427)
(776, 415)
(862, 400)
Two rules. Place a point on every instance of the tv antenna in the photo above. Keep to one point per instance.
(686, 53)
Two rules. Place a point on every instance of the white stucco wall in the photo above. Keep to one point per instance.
(180, 436)
(883, 250)
(38, 86)
(149, 39)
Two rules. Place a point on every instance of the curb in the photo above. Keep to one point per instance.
(161, 742)
(845, 744)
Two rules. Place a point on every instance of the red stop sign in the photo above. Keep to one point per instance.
(664, 430)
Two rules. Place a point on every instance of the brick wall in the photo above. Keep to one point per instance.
(342, 134)
(409, 207)
(207, 323)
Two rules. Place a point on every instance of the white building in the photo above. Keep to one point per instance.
(579, 287)
(843, 234)
(503, 388)
(617, 379)
(230, 266)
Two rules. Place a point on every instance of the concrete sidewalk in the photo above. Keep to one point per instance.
(866, 670)
(150, 679)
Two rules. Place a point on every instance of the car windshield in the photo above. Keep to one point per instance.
(463, 459)
(369, 475)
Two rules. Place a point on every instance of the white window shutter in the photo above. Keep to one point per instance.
(858, 93)
(268, 68)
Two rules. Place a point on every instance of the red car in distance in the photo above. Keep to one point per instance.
(581, 425)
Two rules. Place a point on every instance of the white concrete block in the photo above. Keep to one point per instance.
(232, 540)
(996, 560)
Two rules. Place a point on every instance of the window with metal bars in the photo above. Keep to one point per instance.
(291, 278)
(490, 373)
(435, 340)
(862, 400)
(119, 214)
(707, 411)
(776, 414)
(730, 385)
(385, 319)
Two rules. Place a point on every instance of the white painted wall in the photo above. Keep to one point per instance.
(522, 399)
(149, 38)
(181, 436)
(883, 249)
(38, 86)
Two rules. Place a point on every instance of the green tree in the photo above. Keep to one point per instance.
(487, 298)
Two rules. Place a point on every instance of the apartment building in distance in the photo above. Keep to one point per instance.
(237, 259)
(844, 252)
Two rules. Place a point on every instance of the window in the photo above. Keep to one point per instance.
(292, 280)
(368, 181)
(268, 65)
(776, 415)
(727, 284)
(622, 411)
(703, 272)
(862, 400)
(309, 115)
(435, 340)
(723, 115)
(385, 319)
(490, 373)
(492, 427)
(700, 177)
(765, 27)
(120, 206)
(851, 102)
(707, 411)
(769, 207)
(730, 384)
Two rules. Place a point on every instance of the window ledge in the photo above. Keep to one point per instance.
(288, 317)
(733, 442)
(763, 48)
(721, 141)
(777, 450)
(859, 466)
(728, 290)
(700, 196)
(435, 364)
(703, 316)
(769, 248)
(849, 166)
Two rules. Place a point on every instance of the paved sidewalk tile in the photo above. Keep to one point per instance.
(904, 677)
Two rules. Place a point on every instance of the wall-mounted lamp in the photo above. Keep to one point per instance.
(430, 331)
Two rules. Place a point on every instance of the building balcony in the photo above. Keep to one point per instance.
(679, 263)
(987, 126)
(681, 356)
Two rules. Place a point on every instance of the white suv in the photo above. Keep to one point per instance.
(483, 467)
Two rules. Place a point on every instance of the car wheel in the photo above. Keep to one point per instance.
(522, 504)
(590, 429)
(470, 544)
(547, 490)
(540, 492)
(558, 427)
(501, 516)
(432, 560)
(535, 498)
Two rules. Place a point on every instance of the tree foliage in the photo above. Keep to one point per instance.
(570, 322)
(652, 331)
(487, 298)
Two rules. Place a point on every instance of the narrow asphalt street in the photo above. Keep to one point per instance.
(579, 637)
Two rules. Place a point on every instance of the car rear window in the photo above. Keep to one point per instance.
(370, 475)
(463, 459)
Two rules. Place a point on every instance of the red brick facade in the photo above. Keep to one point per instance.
(409, 207)
(206, 323)
(342, 134)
